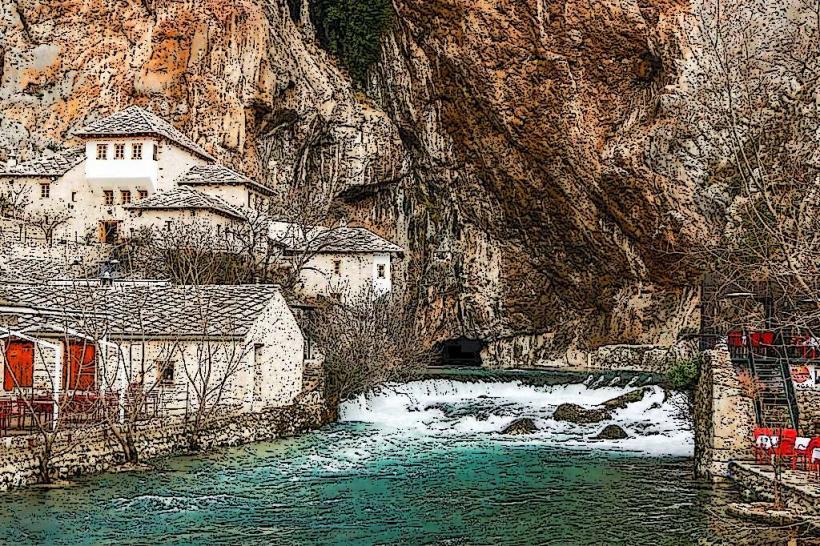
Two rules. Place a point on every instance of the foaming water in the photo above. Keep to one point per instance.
(439, 408)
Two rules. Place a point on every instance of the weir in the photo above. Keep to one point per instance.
(658, 424)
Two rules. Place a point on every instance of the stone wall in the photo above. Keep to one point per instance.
(545, 351)
(724, 417)
(757, 482)
(808, 409)
(90, 451)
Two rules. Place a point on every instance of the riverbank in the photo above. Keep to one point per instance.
(77, 453)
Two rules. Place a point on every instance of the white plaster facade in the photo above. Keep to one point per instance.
(346, 275)
(117, 171)
(262, 368)
(343, 263)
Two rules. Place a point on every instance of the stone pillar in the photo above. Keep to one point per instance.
(724, 417)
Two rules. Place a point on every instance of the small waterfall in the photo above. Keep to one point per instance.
(437, 408)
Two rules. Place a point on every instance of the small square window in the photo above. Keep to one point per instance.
(337, 267)
(45, 190)
(142, 194)
(108, 196)
(119, 151)
(74, 197)
(380, 271)
(136, 150)
(102, 151)
(126, 197)
(165, 372)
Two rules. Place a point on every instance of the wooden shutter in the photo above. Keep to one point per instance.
(80, 366)
(19, 365)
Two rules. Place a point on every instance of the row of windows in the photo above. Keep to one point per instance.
(125, 196)
(380, 269)
(119, 151)
(108, 195)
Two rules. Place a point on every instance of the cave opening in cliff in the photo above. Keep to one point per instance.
(461, 351)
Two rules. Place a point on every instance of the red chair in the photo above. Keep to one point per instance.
(6, 412)
(802, 450)
(735, 338)
(812, 461)
(755, 339)
(761, 451)
(785, 445)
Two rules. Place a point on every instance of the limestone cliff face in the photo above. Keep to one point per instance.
(529, 154)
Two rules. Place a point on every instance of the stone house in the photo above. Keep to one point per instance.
(124, 159)
(161, 341)
(183, 207)
(343, 262)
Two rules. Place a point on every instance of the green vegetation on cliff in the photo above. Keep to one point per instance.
(683, 374)
(352, 31)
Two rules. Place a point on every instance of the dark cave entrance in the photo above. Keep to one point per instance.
(461, 351)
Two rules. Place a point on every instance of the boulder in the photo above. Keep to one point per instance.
(620, 402)
(612, 432)
(524, 425)
(577, 414)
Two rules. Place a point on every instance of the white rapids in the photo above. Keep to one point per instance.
(437, 408)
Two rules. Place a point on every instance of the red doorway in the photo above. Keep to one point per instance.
(19, 369)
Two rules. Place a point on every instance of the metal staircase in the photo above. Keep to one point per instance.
(777, 405)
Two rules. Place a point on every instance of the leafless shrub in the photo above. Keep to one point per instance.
(366, 342)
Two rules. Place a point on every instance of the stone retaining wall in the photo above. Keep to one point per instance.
(90, 451)
(797, 491)
(724, 417)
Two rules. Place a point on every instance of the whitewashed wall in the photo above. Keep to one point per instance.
(357, 275)
(264, 369)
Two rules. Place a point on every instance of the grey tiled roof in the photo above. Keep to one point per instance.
(214, 174)
(345, 240)
(186, 198)
(53, 165)
(16, 269)
(159, 312)
(137, 121)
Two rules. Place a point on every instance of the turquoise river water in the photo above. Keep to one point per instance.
(421, 463)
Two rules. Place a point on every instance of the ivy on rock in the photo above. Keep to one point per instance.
(352, 30)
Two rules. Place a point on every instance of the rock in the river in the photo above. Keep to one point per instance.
(524, 425)
(577, 414)
(622, 401)
(612, 432)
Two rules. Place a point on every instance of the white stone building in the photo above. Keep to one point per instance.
(125, 158)
(156, 340)
(343, 262)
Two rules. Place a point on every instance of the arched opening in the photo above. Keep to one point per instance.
(461, 351)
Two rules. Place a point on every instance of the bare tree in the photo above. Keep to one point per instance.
(756, 100)
(193, 253)
(47, 221)
(15, 197)
(366, 342)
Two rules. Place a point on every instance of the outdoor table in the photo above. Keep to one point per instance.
(801, 444)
